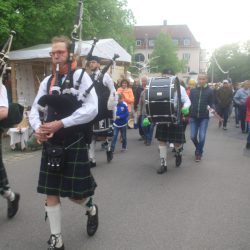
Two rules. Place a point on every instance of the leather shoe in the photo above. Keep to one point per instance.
(13, 206)
(92, 223)
(162, 169)
(92, 164)
(109, 155)
(178, 160)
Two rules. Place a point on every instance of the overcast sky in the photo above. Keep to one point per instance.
(213, 23)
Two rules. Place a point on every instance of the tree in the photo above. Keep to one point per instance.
(234, 59)
(165, 54)
(37, 21)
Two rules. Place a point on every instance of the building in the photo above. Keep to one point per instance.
(188, 48)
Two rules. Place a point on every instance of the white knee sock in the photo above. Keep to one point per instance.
(163, 153)
(92, 151)
(9, 195)
(55, 215)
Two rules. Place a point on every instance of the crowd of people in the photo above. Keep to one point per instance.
(66, 161)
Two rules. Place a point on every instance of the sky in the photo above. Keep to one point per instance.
(214, 23)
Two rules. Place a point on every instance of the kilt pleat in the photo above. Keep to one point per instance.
(75, 180)
(170, 133)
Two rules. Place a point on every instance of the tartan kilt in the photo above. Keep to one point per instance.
(171, 133)
(4, 183)
(75, 180)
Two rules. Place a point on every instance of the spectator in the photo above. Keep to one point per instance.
(224, 97)
(240, 99)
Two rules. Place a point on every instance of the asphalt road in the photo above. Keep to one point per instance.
(199, 206)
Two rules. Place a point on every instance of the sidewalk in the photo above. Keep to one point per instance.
(6, 149)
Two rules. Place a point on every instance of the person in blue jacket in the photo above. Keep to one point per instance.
(120, 123)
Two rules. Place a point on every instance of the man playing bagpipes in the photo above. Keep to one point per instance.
(65, 168)
(106, 94)
(5, 190)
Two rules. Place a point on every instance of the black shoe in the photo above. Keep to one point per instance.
(248, 145)
(109, 155)
(92, 164)
(178, 160)
(13, 206)
(162, 169)
(52, 242)
(92, 223)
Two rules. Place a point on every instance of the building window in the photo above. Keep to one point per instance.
(139, 57)
(151, 43)
(175, 41)
(138, 42)
(186, 56)
(186, 42)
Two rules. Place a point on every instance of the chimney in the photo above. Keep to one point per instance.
(165, 23)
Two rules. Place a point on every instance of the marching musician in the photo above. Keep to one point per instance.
(172, 133)
(107, 99)
(74, 180)
(5, 190)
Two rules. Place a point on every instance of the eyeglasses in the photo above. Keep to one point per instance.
(58, 52)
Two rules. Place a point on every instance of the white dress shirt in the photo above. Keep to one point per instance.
(184, 98)
(3, 96)
(108, 82)
(86, 113)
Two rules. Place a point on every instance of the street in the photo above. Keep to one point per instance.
(198, 206)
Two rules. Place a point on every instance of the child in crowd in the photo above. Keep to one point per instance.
(120, 123)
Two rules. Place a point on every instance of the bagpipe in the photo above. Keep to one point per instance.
(64, 100)
(15, 110)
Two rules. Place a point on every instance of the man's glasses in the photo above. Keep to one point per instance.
(58, 52)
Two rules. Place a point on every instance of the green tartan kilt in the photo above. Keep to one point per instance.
(4, 184)
(75, 180)
(170, 133)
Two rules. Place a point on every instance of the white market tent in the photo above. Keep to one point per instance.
(30, 65)
(105, 49)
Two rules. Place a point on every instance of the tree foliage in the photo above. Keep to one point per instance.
(37, 21)
(232, 58)
(164, 54)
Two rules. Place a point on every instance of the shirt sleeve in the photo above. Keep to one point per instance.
(108, 82)
(3, 97)
(184, 98)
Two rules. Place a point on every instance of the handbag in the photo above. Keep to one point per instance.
(55, 157)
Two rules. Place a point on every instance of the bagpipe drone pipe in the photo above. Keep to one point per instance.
(15, 110)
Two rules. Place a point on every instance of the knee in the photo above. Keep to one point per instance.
(52, 200)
